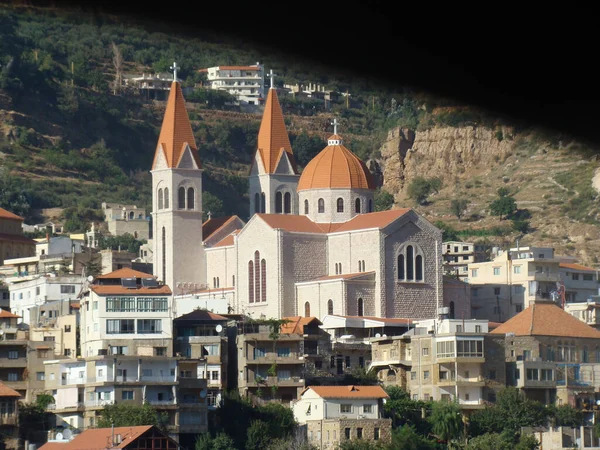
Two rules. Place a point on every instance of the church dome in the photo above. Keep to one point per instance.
(336, 167)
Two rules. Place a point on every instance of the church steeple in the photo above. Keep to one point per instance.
(176, 133)
(274, 174)
(272, 135)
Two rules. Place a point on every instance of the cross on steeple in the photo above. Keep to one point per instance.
(174, 69)
(209, 214)
(272, 75)
(334, 123)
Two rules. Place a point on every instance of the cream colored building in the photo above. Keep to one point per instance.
(12, 242)
(246, 83)
(313, 245)
(580, 282)
(58, 322)
(334, 414)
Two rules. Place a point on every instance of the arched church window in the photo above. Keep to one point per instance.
(411, 264)
(190, 198)
(357, 206)
(401, 267)
(340, 205)
(329, 306)
(278, 203)
(257, 202)
(360, 307)
(250, 281)
(305, 206)
(181, 198)
(166, 198)
(419, 268)
(263, 203)
(307, 309)
(257, 276)
(370, 205)
(321, 205)
(287, 203)
(263, 280)
(160, 198)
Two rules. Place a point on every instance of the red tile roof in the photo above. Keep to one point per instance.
(546, 319)
(176, 130)
(227, 240)
(296, 324)
(100, 438)
(201, 314)
(125, 273)
(379, 219)
(347, 276)
(574, 266)
(336, 167)
(16, 238)
(8, 315)
(357, 392)
(298, 224)
(102, 289)
(272, 135)
(4, 214)
(211, 226)
(5, 391)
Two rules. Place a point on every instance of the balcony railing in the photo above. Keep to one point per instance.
(162, 402)
(8, 419)
(98, 403)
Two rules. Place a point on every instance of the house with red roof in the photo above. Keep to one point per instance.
(12, 242)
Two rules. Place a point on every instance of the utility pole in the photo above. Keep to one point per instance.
(72, 72)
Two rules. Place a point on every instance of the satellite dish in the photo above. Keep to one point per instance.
(219, 328)
(59, 436)
(378, 335)
(203, 393)
(385, 335)
(67, 434)
(597, 402)
(90, 278)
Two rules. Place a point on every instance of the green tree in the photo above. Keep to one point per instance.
(459, 206)
(446, 421)
(407, 438)
(34, 420)
(258, 435)
(361, 444)
(419, 189)
(567, 416)
(124, 415)
(125, 242)
(521, 225)
(221, 441)
(448, 233)
(405, 411)
(212, 204)
(383, 200)
(504, 206)
(491, 441)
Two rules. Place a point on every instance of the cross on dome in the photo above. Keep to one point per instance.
(334, 123)
(174, 69)
(272, 76)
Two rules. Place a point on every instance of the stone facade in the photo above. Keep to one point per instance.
(284, 181)
(331, 197)
(329, 433)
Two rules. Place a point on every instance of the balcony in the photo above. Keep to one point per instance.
(274, 381)
(8, 419)
(536, 373)
(470, 381)
(271, 358)
(65, 408)
(162, 403)
(7, 363)
(98, 403)
(471, 404)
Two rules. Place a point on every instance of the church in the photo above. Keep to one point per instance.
(313, 244)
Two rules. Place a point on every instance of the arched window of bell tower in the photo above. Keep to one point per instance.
(287, 203)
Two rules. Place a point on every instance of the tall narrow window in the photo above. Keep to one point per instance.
(160, 198)
(263, 203)
(409, 263)
(340, 205)
(166, 198)
(250, 281)
(419, 268)
(321, 205)
(164, 255)
(307, 309)
(257, 202)
(401, 267)
(181, 198)
(278, 203)
(357, 206)
(329, 306)
(370, 205)
(360, 307)
(263, 280)
(451, 310)
(305, 206)
(257, 276)
(190, 198)
(287, 203)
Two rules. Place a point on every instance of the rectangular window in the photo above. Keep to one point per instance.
(259, 352)
(426, 374)
(283, 352)
(575, 276)
(492, 374)
(367, 408)
(496, 270)
(146, 372)
(496, 291)
(49, 338)
(477, 328)
(469, 348)
(160, 351)
(13, 376)
(473, 273)
(426, 397)
(95, 326)
(214, 375)
(13, 354)
(532, 374)
(474, 292)
(95, 305)
(120, 304)
(588, 277)
(149, 326)
(347, 433)
(459, 328)
(425, 351)
(40, 376)
(517, 269)
(376, 434)
(347, 361)
(120, 326)
(547, 375)
(67, 289)
(345, 408)
(361, 361)
(67, 328)
(359, 433)
(126, 395)
(284, 375)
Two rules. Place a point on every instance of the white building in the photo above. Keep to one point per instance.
(126, 312)
(28, 293)
(580, 282)
(313, 245)
(246, 83)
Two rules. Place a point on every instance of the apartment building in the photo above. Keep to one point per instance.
(130, 219)
(204, 335)
(84, 386)
(514, 279)
(9, 417)
(457, 257)
(330, 415)
(126, 312)
(246, 83)
(271, 366)
(580, 282)
(391, 359)
(56, 321)
(586, 311)
(447, 357)
(550, 355)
